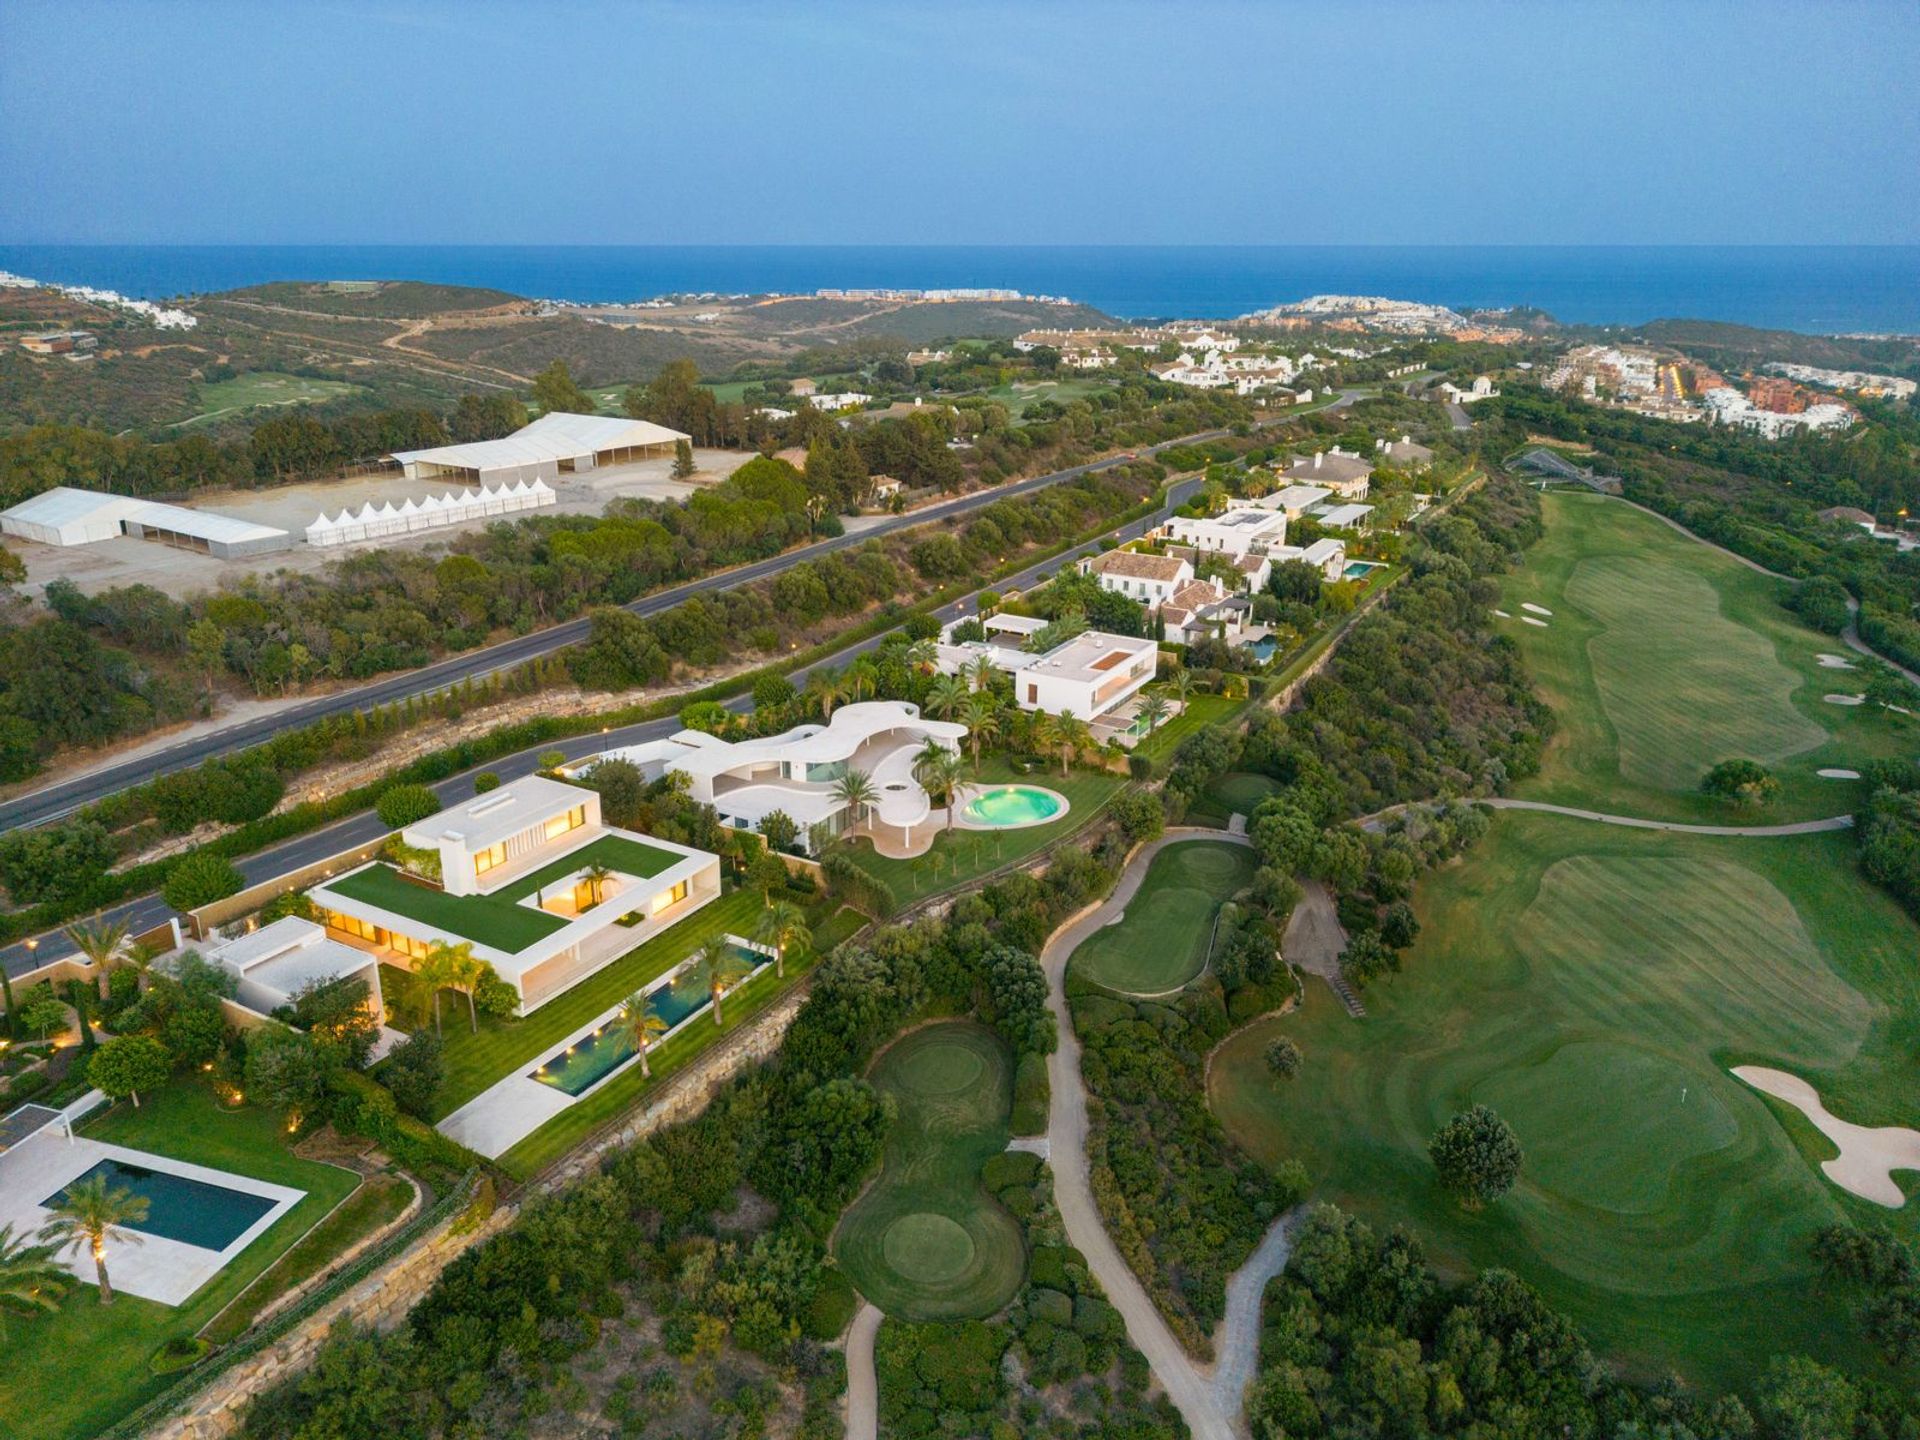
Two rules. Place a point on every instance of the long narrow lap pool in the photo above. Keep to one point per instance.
(600, 1052)
(192, 1212)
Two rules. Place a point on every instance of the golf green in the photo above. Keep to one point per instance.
(1661, 656)
(1161, 942)
(1594, 984)
(926, 1241)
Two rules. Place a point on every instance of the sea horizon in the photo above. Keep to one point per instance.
(1820, 289)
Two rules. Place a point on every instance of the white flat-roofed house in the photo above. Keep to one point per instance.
(798, 771)
(1340, 471)
(1349, 516)
(1088, 676)
(274, 964)
(839, 400)
(1328, 556)
(557, 443)
(530, 877)
(1293, 501)
(1147, 578)
(1233, 534)
(1482, 388)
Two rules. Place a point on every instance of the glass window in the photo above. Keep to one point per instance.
(572, 820)
(671, 897)
(488, 858)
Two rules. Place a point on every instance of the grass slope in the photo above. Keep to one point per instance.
(1662, 657)
(73, 1373)
(1593, 984)
(926, 1242)
(1161, 942)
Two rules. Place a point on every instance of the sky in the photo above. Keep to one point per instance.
(815, 122)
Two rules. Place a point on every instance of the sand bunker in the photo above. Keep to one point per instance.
(1868, 1157)
(1836, 773)
(1503, 614)
(1844, 699)
(1529, 620)
(1833, 662)
(1536, 609)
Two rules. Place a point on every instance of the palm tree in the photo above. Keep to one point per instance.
(1070, 734)
(139, 958)
(780, 926)
(827, 689)
(1181, 684)
(723, 970)
(100, 940)
(980, 672)
(641, 1024)
(1042, 734)
(856, 790)
(445, 967)
(945, 696)
(921, 654)
(862, 676)
(941, 771)
(30, 1278)
(89, 1214)
(1153, 710)
(465, 974)
(982, 716)
(596, 877)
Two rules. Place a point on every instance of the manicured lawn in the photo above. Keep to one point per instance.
(1161, 942)
(475, 1061)
(1594, 984)
(75, 1372)
(1663, 657)
(1202, 710)
(616, 852)
(1023, 397)
(265, 387)
(1239, 792)
(959, 855)
(490, 919)
(926, 1241)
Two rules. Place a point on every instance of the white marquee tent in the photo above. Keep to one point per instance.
(376, 523)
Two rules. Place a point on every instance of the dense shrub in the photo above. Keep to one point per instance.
(200, 878)
(402, 805)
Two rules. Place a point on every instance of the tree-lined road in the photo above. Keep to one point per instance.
(58, 799)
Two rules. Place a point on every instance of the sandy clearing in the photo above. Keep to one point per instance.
(1536, 609)
(1834, 662)
(1836, 773)
(1844, 699)
(1868, 1155)
(1529, 620)
(1503, 614)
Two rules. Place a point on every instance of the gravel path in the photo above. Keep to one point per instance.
(863, 1389)
(1209, 1400)
(1798, 827)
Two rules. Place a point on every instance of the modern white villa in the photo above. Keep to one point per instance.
(273, 964)
(1090, 676)
(798, 772)
(1233, 534)
(1293, 501)
(531, 877)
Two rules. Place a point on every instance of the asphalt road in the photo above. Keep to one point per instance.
(58, 799)
(302, 850)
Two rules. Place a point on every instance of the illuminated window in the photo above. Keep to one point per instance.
(561, 824)
(488, 858)
(671, 897)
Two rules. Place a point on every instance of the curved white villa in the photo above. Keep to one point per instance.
(797, 772)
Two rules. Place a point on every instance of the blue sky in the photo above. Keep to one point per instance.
(401, 121)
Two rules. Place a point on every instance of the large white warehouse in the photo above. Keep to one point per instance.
(66, 515)
(555, 444)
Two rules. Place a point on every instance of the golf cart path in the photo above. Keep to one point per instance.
(1498, 802)
(1209, 1398)
(863, 1388)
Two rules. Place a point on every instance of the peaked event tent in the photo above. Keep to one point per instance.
(371, 523)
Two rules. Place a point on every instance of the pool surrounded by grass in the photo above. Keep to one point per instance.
(676, 997)
(1009, 807)
(1360, 569)
(180, 1208)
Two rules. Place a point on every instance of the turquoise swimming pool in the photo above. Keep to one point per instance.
(178, 1208)
(1263, 649)
(1011, 806)
(1360, 569)
(600, 1052)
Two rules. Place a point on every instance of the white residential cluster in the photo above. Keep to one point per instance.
(377, 523)
(1859, 382)
(161, 317)
(1727, 406)
(1378, 312)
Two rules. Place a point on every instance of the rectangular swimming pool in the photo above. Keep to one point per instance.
(596, 1055)
(192, 1212)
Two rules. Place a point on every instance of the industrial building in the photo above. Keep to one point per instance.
(554, 445)
(66, 516)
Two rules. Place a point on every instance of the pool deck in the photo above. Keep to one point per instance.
(156, 1268)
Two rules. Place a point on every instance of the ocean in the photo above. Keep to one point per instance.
(1821, 289)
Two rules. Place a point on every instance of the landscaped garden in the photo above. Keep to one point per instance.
(42, 1395)
(1593, 984)
(1162, 942)
(1662, 657)
(926, 1241)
